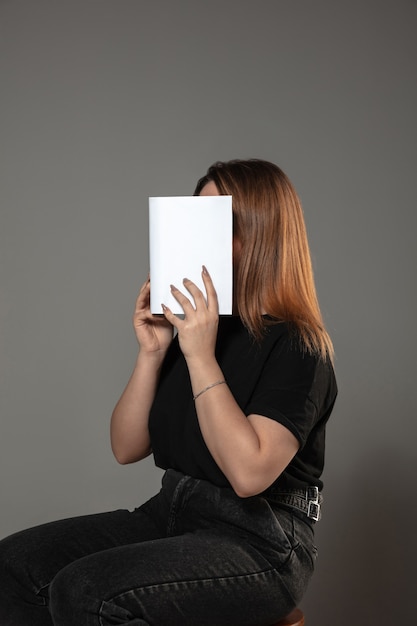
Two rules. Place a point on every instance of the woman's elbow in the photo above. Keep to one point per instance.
(122, 459)
(126, 457)
(249, 486)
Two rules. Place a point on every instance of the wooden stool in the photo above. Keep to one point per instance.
(295, 618)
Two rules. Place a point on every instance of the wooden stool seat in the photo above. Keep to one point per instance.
(295, 618)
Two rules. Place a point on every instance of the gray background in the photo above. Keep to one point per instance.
(105, 103)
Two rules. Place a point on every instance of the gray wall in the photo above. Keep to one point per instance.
(105, 103)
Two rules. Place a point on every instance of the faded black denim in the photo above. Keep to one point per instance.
(194, 555)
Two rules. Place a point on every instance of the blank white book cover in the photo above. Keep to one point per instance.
(185, 233)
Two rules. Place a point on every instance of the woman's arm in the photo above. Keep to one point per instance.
(129, 422)
(251, 451)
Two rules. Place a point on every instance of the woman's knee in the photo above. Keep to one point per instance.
(75, 594)
(67, 592)
(22, 585)
(16, 559)
(9, 563)
(81, 593)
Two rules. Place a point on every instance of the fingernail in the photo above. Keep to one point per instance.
(172, 287)
(205, 270)
(184, 279)
(164, 308)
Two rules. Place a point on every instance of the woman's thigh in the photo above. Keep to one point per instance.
(30, 559)
(202, 578)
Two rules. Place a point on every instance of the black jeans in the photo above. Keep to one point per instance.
(194, 555)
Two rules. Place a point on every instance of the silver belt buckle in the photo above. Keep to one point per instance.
(313, 504)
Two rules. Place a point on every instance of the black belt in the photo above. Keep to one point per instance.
(307, 500)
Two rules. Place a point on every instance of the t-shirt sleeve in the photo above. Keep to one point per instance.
(292, 389)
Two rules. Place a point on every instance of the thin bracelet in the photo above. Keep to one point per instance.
(218, 382)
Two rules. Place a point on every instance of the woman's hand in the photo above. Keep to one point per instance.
(197, 332)
(154, 333)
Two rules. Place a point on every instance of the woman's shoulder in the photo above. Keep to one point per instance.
(288, 350)
(280, 343)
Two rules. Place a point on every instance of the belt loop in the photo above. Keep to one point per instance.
(313, 503)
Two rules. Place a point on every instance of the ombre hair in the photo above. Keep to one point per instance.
(274, 273)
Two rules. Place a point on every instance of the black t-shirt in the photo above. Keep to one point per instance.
(275, 378)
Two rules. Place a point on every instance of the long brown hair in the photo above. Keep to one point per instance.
(275, 272)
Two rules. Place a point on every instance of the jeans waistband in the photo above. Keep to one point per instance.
(308, 500)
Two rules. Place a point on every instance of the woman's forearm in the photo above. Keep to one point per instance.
(227, 433)
(129, 430)
(250, 450)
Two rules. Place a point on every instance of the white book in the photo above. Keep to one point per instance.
(185, 233)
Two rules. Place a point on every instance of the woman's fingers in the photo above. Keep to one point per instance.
(196, 293)
(143, 297)
(201, 302)
(182, 299)
(212, 301)
(169, 315)
(142, 307)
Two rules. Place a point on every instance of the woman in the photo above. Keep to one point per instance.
(234, 409)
